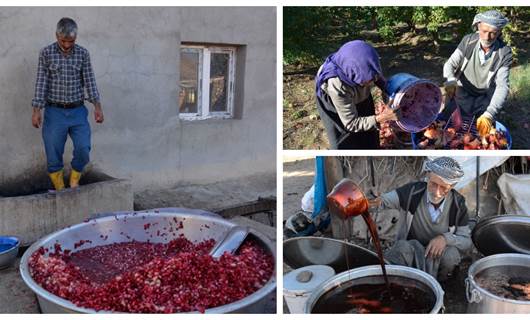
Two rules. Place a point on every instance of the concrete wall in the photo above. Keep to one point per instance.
(32, 217)
(135, 55)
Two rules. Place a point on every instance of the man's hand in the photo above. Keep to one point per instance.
(436, 247)
(36, 118)
(98, 113)
(450, 88)
(374, 204)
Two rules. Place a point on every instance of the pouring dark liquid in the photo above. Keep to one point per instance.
(348, 200)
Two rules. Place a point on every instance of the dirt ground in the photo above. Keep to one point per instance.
(414, 54)
(298, 178)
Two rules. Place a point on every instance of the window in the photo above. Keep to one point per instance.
(206, 82)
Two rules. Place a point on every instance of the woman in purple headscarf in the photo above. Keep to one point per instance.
(344, 100)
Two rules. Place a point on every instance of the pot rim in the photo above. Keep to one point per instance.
(338, 241)
(487, 222)
(66, 304)
(472, 271)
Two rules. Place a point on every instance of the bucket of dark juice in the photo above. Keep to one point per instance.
(416, 101)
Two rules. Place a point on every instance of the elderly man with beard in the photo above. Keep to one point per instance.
(478, 71)
(435, 231)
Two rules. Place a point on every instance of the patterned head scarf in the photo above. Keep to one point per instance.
(492, 17)
(446, 168)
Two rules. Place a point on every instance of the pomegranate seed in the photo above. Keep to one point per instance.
(178, 276)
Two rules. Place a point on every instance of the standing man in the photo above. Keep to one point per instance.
(64, 72)
(478, 71)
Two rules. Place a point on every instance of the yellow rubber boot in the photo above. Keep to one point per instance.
(75, 176)
(57, 179)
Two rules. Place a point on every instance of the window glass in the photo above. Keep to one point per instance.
(189, 82)
(219, 74)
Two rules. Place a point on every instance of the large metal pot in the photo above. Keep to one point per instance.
(357, 275)
(502, 234)
(482, 301)
(123, 227)
(306, 251)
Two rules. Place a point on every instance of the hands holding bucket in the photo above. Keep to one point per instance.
(388, 113)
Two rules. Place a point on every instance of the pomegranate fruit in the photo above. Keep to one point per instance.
(178, 276)
(437, 136)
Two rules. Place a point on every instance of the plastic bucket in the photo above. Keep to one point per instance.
(296, 290)
(8, 250)
(418, 101)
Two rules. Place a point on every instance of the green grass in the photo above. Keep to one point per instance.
(520, 82)
(299, 114)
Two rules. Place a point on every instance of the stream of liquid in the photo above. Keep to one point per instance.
(369, 294)
(375, 237)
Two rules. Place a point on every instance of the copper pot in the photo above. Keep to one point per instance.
(347, 199)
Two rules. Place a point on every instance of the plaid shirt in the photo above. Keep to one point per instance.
(63, 78)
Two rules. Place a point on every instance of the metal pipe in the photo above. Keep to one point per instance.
(477, 190)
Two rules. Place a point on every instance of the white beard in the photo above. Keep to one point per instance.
(486, 43)
(434, 200)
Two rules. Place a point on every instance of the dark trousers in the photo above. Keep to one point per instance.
(339, 137)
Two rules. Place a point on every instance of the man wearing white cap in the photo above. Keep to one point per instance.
(478, 71)
(434, 231)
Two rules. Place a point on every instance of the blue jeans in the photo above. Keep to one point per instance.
(58, 124)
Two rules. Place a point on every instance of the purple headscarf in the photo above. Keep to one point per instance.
(354, 63)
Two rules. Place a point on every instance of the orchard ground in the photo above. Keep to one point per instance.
(412, 53)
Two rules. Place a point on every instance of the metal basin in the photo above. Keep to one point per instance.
(8, 251)
(305, 251)
(198, 225)
(356, 275)
(481, 300)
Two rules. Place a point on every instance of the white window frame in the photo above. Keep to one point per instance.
(203, 95)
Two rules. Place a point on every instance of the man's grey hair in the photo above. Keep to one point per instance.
(67, 27)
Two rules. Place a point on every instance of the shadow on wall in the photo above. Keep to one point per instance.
(38, 182)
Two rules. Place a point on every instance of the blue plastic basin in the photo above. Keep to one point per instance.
(8, 243)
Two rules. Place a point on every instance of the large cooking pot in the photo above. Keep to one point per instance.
(360, 276)
(347, 199)
(124, 227)
(306, 251)
(502, 234)
(481, 300)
